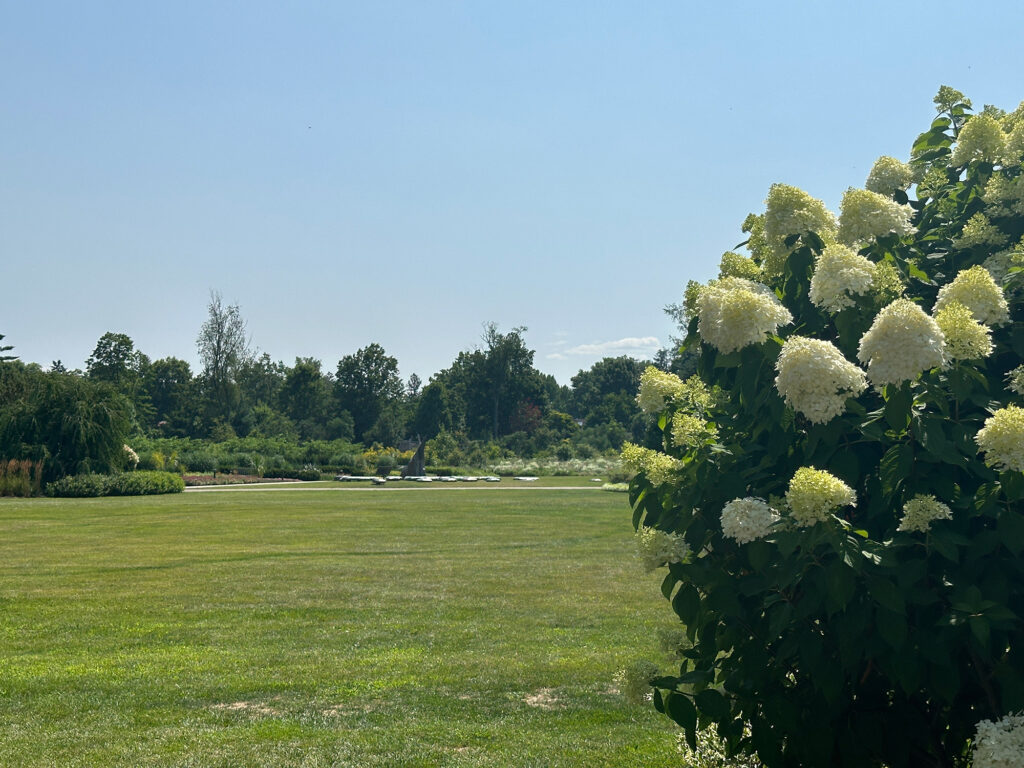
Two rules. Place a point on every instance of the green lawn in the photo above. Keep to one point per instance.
(305, 628)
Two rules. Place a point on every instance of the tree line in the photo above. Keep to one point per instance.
(78, 419)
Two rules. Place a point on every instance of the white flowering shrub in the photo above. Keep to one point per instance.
(848, 560)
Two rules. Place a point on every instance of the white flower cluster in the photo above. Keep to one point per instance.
(634, 682)
(689, 431)
(131, 458)
(690, 296)
(865, 215)
(982, 138)
(791, 211)
(888, 284)
(839, 273)
(1004, 196)
(901, 343)
(757, 242)
(1000, 744)
(1015, 380)
(1015, 144)
(737, 265)
(919, 512)
(711, 751)
(815, 379)
(980, 231)
(888, 175)
(998, 265)
(976, 290)
(966, 338)
(1002, 439)
(657, 548)
(657, 389)
(735, 313)
(658, 467)
(813, 494)
(747, 519)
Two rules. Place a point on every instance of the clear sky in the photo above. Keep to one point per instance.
(403, 172)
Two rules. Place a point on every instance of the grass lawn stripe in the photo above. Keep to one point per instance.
(307, 629)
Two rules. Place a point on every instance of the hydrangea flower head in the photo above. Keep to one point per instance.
(966, 338)
(1002, 439)
(979, 231)
(757, 242)
(934, 179)
(658, 467)
(735, 313)
(657, 389)
(888, 175)
(814, 494)
(736, 265)
(791, 211)
(887, 284)
(976, 290)
(815, 379)
(1012, 119)
(657, 548)
(690, 297)
(981, 138)
(838, 274)
(998, 265)
(919, 512)
(695, 395)
(690, 431)
(1000, 744)
(1015, 380)
(747, 519)
(901, 343)
(1004, 197)
(865, 215)
(1015, 144)
(948, 97)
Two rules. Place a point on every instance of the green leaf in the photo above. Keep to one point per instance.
(712, 704)
(892, 627)
(886, 594)
(759, 553)
(980, 630)
(897, 406)
(1011, 528)
(938, 541)
(895, 466)
(842, 584)
(681, 709)
(686, 604)
(668, 584)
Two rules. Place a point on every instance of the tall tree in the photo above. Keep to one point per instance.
(366, 382)
(169, 386)
(305, 397)
(115, 361)
(511, 379)
(224, 346)
(5, 348)
(260, 380)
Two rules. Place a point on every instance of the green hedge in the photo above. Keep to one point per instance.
(141, 483)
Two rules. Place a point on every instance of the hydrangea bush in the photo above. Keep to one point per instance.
(837, 495)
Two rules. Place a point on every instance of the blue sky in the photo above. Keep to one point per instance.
(403, 172)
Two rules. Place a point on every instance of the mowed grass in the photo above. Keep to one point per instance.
(330, 628)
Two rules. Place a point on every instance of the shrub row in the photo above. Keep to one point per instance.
(141, 483)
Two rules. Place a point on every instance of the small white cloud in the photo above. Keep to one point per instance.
(555, 356)
(644, 346)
